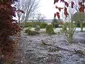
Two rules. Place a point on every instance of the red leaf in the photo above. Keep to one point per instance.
(81, 9)
(59, 8)
(58, 15)
(20, 11)
(65, 12)
(55, 1)
(80, 3)
(83, 0)
(62, 0)
(54, 15)
(66, 4)
(72, 3)
(56, 7)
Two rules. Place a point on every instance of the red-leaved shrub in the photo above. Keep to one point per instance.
(8, 27)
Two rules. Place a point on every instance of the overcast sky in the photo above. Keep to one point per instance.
(47, 8)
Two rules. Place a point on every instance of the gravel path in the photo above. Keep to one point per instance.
(42, 49)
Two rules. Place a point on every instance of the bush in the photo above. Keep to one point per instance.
(27, 24)
(43, 25)
(31, 24)
(55, 23)
(37, 28)
(49, 29)
(29, 32)
(77, 24)
(69, 29)
(80, 25)
(26, 30)
(83, 24)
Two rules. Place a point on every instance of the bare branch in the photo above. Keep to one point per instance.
(28, 6)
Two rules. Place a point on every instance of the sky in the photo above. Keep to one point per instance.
(47, 8)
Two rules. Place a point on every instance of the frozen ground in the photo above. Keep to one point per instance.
(54, 49)
(57, 29)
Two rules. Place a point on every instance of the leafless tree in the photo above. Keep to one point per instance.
(28, 6)
(40, 17)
